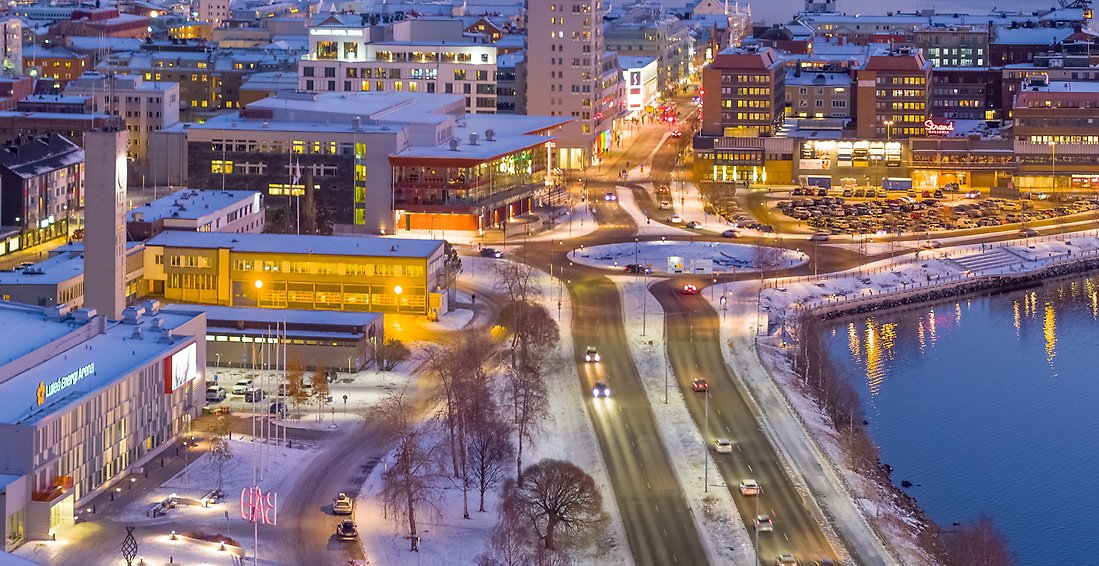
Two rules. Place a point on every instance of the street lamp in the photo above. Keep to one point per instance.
(259, 284)
(888, 129)
(1053, 162)
(397, 290)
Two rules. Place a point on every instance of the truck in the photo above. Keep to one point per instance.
(820, 181)
(897, 183)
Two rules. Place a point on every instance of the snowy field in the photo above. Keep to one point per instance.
(450, 539)
(719, 256)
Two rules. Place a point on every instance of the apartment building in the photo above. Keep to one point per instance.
(144, 106)
(41, 187)
(744, 93)
(892, 93)
(570, 74)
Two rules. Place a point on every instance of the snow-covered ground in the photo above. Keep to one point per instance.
(450, 539)
(723, 532)
(719, 257)
(644, 227)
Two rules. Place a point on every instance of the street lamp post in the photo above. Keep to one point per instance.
(888, 129)
(705, 447)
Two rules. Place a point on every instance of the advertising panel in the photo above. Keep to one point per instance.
(180, 368)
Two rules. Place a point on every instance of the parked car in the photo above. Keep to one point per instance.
(215, 394)
(601, 390)
(491, 252)
(723, 446)
(342, 504)
(700, 385)
(241, 387)
(254, 395)
(346, 531)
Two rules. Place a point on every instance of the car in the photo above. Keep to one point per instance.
(825, 562)
(932, 245)
(700, 385)
(215, 394)
(677, 134)
(665, 205)
(723, 446)
(601, 390)
(764, 524)
(689, 289)
(346, 531)
(675, 219)
(241, 387)
(610, 197)
(277, 408)
(491, 252)
(284, 388)
(822, 192)
(938, 193)
(972, 194)
(766, 228)
(254, 395)
(819, 237)
(1028, 232)
(749, 487)
(342, 504)
(730, 234)
(786, 560)
(638, 268)
(591, 354)
(663, 190)
(693, 224)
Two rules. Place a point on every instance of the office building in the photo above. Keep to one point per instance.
(647, 31)
(744, 93)
(953, 45)
(57, 63)
(339, 273)
(59, 279)
(892, 95)
(41, 189)
(511, 84)
(144, 106)
(197, 211)
(570, 74)
(213, 12)
(640, 76)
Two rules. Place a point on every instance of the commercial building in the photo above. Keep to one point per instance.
(71, 126)
(59, 279)
(570, 74)
(101, 22)
(892, 94)
(57, 63)
(430, 56)
(1056, 143)
(821, 94)
(744, 93)
(639, 74)
(348, 273)
(954, 45)
(197, 211)
(80, 413)
(345, 341)
(41, 189)
(647, 31)
(144, 106)
(379, 161)
(214, 12)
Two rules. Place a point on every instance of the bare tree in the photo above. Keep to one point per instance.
(391, 353)
(319, 381)
(510, 546)
(295, 383)
(220, 449)
(409, 485)
(526, 393)
(977, 544)
(490, 450)
(535, 334)
(558, 503)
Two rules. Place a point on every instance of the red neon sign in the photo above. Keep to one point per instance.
(258, 507)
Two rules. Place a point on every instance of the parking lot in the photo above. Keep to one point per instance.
(872, 211)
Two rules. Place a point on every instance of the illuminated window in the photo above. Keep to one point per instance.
(219, 166)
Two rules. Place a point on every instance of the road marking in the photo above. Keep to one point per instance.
(750, 468)
(785, 537)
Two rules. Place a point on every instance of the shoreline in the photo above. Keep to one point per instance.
(810, 361)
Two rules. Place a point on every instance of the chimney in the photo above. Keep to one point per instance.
(105, 221)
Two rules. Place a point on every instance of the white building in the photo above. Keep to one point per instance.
(640, 77)
(80, 413)
(569, 73)
(144, 106)
(432, 56)
(12, 45)
(197, 211)
(213, 11)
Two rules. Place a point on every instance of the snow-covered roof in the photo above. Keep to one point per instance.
(40, 155)
(24, 329)
(362, 246)
(51, 271)
(217, 316)
(634, 62)
(1030, 36)
(191, 204)
(817, 78)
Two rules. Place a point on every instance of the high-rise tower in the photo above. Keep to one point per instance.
(105, 221)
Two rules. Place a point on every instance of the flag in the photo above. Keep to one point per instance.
(297, 173)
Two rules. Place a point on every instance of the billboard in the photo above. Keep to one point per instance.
(180, 367)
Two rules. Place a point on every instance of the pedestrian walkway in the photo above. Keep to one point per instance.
(995, 258)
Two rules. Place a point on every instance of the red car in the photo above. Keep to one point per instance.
(689, 289)
(700, 385)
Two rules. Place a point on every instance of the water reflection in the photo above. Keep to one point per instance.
(1049, 330)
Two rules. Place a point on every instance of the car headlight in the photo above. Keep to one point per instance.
(587, 358)
(597, 357)
(595, 392)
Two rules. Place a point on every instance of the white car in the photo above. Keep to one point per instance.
(215, 394)
(786, 560)
(665, 205)
(675, 219)
(591, 354)
(241, 387)
(723, 446)
(749, 487)
(342, 505)
(764, 524)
